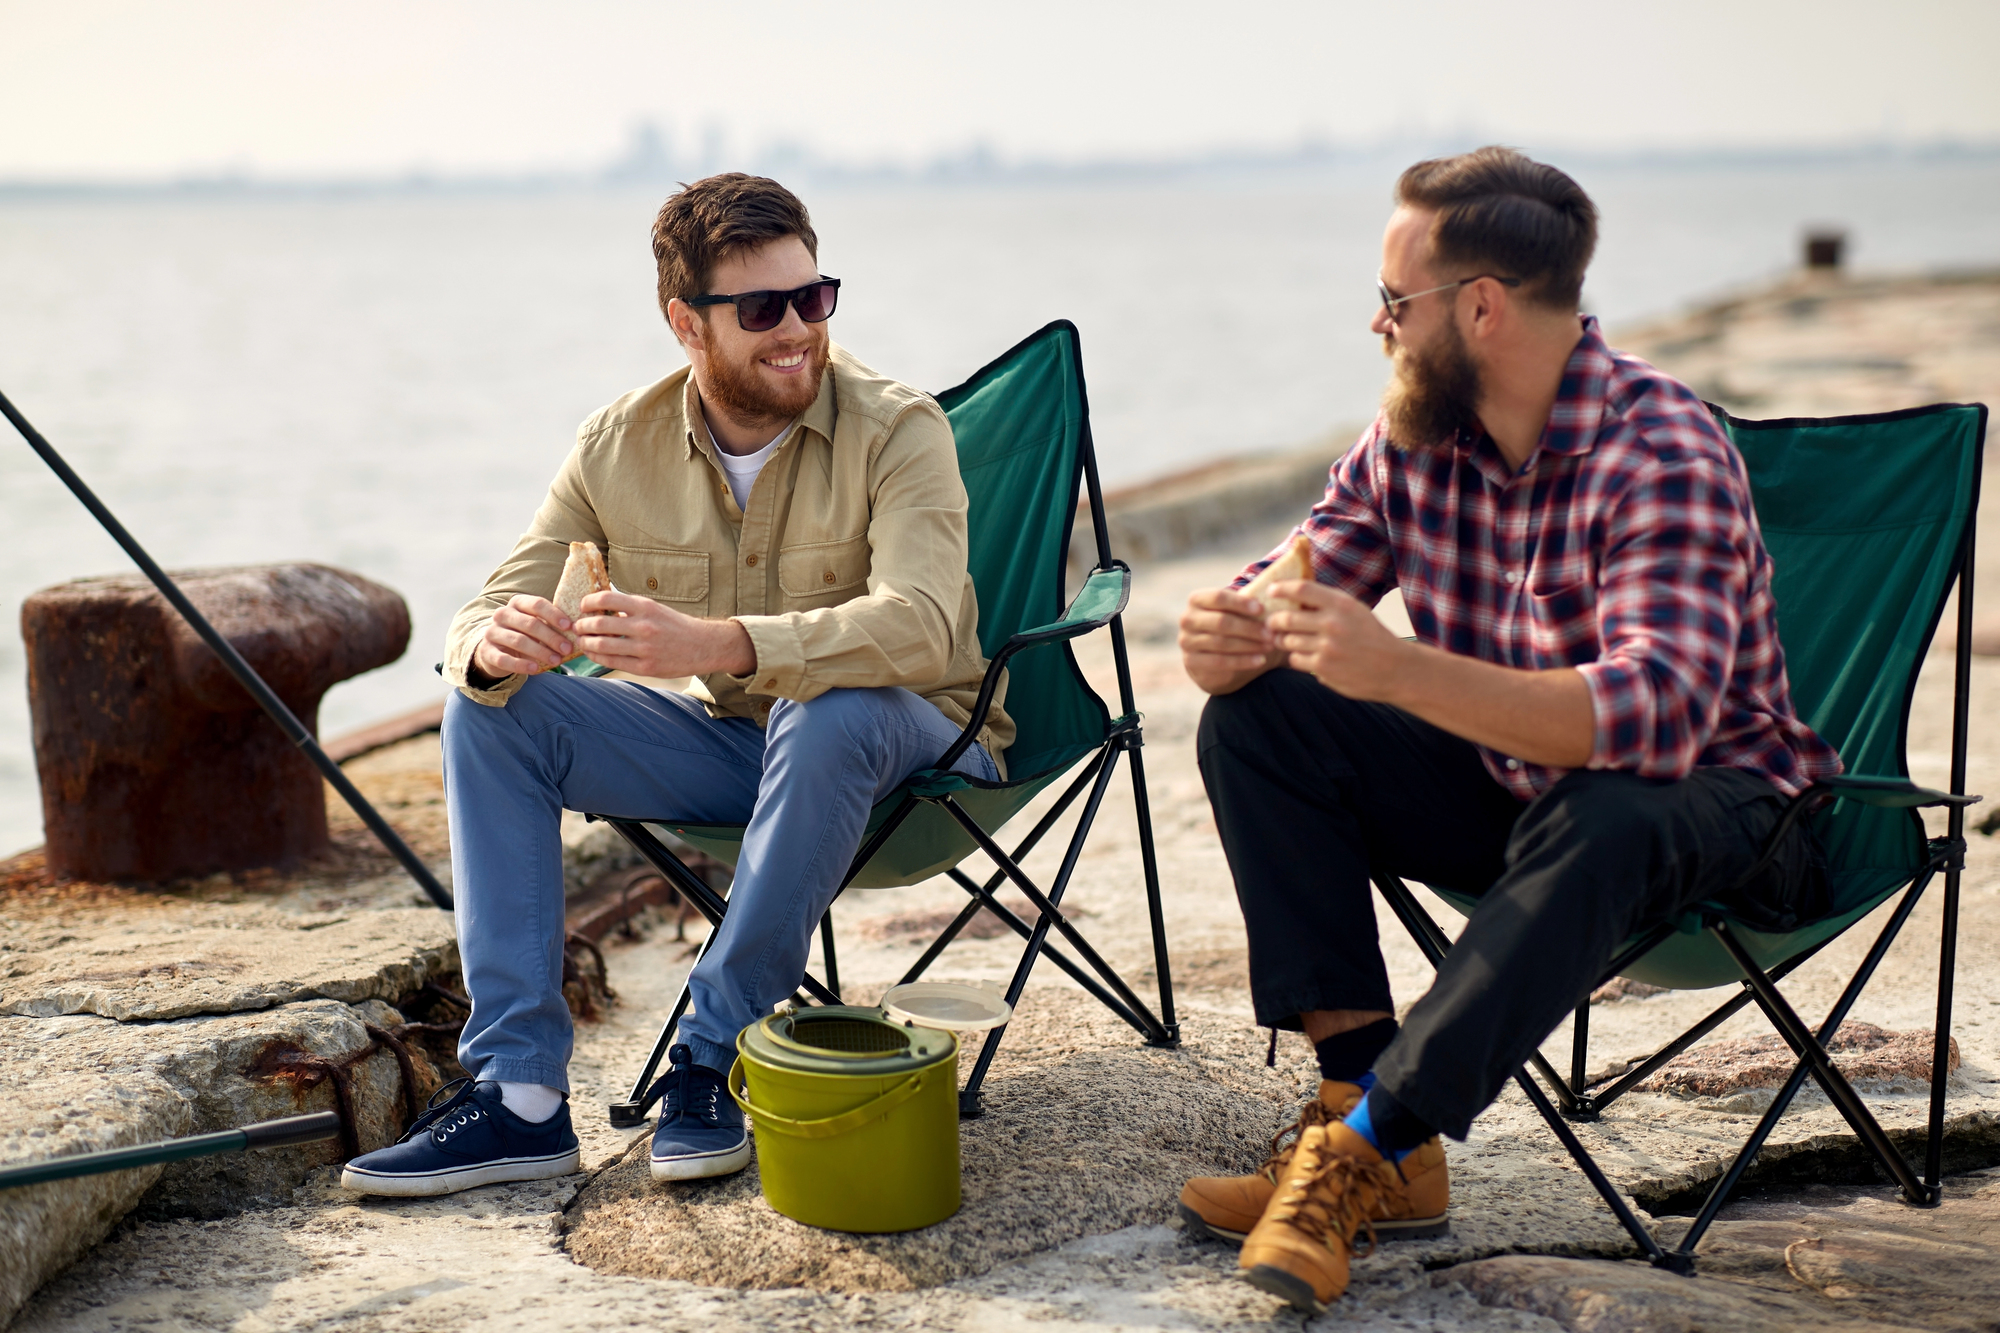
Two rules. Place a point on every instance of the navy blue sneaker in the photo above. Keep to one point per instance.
(700, 1132)
(468, 1139)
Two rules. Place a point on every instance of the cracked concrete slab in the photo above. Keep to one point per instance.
(173, 959)
(80, 1083)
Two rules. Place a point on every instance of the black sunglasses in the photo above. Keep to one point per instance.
(757, 312)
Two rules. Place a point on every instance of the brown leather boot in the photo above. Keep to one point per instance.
(1227, 1207)
(1300, 1249)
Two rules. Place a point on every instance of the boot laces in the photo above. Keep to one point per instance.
(1336, 1198)
(1286, 1141)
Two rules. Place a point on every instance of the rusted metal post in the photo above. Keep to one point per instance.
(1825, 248)
(154, 762)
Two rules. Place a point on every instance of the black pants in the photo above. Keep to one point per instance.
(1313, 790)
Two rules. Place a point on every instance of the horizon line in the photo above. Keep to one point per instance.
(979, 164)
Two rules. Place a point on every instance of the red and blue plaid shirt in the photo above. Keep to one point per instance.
(1625, 546)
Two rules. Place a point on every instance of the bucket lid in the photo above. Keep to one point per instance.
(841, 1039)
(949, 1005)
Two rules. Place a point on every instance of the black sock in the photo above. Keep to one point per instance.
(1346, 1056)
(1393, 1127)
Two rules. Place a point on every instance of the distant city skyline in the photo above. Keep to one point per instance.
(128, 90)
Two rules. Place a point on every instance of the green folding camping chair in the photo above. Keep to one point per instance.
(1022, 425)
(1869, 520)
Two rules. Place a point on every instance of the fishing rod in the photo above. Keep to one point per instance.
(226, 651)
(265, 1134)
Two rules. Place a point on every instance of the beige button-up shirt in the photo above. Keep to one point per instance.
(847, 568)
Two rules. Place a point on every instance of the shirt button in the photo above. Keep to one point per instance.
(1511, 576)
(1513, 765)
(769, 684)
(751, 561)
(828, 576)
(652, 585)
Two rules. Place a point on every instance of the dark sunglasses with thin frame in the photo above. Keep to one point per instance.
(759, 312)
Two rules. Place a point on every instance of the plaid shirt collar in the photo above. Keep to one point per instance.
(1582, 400)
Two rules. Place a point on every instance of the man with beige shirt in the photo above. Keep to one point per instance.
(787, 527)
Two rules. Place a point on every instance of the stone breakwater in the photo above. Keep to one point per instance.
(128, 1015)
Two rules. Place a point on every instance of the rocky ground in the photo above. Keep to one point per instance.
(127, 1015)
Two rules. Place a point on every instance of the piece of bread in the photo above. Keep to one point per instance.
(583, 574)
(1295, 563)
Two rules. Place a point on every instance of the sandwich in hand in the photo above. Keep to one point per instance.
(583, 574)
(1295, 563)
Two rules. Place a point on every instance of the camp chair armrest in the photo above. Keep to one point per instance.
(1893, 793)
(1101, 598)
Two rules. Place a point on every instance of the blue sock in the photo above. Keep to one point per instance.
(1399, 1134)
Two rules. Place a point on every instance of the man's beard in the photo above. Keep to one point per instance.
(1432, 396)
(745, 397)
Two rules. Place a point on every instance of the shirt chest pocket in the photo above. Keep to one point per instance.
(679, 578)
(1562, 624)
(822, 573)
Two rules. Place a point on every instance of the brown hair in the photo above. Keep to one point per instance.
(1500, 211)
(702, 224)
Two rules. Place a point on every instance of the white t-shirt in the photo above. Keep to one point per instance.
(742, 469)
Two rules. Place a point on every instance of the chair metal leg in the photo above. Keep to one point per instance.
(1838, 1090)
(936, 948)
(1051, 917)
(983, 897)
(689, 885)
(1768, 1122)
(1161, 967)
(1941, 1047)
(1631, 1078)
(631, 1112)
(1579, 1059)
(1602, 1184)
(1430, 938)
(826, 948)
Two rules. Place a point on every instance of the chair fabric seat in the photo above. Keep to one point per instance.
(929, 842)
(1690, 959)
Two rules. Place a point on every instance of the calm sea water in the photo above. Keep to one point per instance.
(387, 383)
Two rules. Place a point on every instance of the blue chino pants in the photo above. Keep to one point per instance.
(804, 786)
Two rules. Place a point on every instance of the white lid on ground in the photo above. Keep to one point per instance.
(948, 1005)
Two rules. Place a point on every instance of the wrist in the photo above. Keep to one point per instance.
(478, 677)
(1403, 684)
(735, 650)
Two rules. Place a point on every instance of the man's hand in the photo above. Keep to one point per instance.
(525, 636)
(1542, 717)
(639, 635)
(1338, 641)
(1224, 644)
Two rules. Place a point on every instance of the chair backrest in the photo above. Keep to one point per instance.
(1023, 432)
(1865, 518)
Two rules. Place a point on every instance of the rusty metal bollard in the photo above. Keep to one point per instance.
(154, 762)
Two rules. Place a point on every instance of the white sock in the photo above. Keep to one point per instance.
(533, 1102)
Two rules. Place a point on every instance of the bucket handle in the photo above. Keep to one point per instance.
(833, 1126)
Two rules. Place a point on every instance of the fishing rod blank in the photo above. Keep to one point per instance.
(242, 670)
(265, 1134)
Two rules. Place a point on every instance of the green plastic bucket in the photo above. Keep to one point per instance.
(856, 1117)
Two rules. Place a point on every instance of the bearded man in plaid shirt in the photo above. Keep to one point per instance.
(1592, 730)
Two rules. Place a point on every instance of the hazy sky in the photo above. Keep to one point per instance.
(97, 88)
